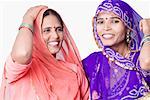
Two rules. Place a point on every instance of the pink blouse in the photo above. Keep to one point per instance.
(19, 85)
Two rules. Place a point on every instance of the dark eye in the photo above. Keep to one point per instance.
(59, 30)
(100, 22)
(46, 30)
(115, 21)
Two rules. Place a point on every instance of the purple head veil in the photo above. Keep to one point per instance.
(128, 15)
(131, 19)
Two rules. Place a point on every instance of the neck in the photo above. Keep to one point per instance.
(54, 55)
(121, 48)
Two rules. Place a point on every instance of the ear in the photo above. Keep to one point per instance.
(128, 30)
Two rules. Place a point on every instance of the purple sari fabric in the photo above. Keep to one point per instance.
(112, 76)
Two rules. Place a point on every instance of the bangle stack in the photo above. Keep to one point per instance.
(145, 39)
(28, 26)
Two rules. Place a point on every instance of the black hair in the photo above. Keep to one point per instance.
(53, 12)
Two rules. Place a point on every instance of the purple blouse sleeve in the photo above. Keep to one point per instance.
(89, 64)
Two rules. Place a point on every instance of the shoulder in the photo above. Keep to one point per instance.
(90, 62)
(92, 57)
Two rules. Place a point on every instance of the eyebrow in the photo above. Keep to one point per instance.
(47, 28)
(109, 18)
(51, 27)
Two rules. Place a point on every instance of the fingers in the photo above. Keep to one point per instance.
(40, 7)
(32, 13)
(145, 26)
(36, 9)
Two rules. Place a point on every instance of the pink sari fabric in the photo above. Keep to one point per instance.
(46, 78)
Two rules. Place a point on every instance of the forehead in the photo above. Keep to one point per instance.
(106, 14)
(50, 19)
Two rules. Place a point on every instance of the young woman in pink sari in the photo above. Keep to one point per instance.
(44, 63)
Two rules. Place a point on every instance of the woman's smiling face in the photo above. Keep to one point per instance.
(110, 28)
(52, 32)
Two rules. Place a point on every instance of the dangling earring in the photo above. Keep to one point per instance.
(128, 37)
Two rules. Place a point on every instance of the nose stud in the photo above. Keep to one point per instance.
(99, 33)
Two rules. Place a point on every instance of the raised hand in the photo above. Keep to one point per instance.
(22, 49)
(145, 26)
(32, 13)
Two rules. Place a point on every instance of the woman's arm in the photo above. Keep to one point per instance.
(145, 50)
(17, 64)
(22, 49)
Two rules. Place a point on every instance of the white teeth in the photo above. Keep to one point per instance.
(107, 36)
(53, 43)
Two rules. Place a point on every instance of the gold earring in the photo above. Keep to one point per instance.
(128, 37)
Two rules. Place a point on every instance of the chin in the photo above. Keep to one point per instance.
(54, 50)
(107, 44)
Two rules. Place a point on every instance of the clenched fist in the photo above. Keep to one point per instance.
(145, 26)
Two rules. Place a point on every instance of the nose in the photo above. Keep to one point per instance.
(107, 26)
(54, 34)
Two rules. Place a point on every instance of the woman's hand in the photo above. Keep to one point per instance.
(32, 13)
(145, 26)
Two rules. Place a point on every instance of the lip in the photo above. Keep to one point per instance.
(108, 36)
(53, 43)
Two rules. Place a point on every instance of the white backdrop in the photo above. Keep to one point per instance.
(77, 14)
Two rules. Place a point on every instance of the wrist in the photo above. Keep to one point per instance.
(28, 20)
(146, 35)
(26, 26)
(146, 39)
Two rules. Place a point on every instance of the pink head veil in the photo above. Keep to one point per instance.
(51, 71)
(53, 79)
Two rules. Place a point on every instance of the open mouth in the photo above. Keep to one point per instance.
(53, 43)
(107, 36)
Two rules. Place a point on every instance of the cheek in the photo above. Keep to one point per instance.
(120, 31)
(61, 36)
(45, 38)
(121, 35)
(99, 29)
